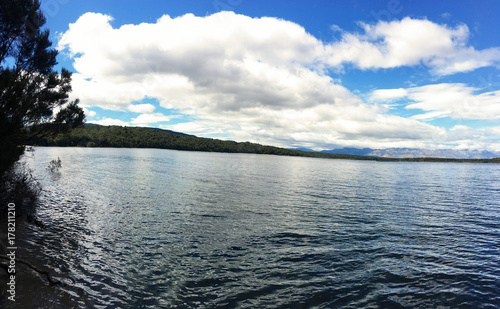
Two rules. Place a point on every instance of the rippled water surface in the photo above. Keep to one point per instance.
(146, 228)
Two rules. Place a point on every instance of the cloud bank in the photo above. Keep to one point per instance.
(409, 42)
(454, 100)
(263, 79)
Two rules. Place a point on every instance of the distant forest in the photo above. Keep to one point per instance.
(139, 137)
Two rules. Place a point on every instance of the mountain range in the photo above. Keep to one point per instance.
(417, 153)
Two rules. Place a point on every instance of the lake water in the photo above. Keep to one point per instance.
(149, 228)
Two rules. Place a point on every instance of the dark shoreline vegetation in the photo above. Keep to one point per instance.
(32, 95)
(141, 137)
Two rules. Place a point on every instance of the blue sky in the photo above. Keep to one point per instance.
(316, 74)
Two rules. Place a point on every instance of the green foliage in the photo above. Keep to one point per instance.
(136, 137)
(29, 87)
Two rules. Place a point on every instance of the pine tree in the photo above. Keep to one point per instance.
(30, 89)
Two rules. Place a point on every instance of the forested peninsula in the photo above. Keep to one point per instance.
(140, 137)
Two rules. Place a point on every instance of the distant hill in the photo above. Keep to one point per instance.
(173, 132)
(163, 130)
(352, 151)
(417, 153)
(139, 137)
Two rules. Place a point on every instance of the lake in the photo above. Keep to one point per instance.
(150, 228)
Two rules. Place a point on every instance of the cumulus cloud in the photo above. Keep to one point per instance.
(89, 113)
(455, 100)
(257, 79)
(411, 42)
(389, 94)
(141, 108)
(150, 118)
(225, 60)
(465, 137)
(110, 122)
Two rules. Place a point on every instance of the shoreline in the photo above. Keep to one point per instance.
(314, 155)
(143, 137)
(33, 289)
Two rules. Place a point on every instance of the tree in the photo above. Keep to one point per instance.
(30, 89)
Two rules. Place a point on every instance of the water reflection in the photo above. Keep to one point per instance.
(155, 228)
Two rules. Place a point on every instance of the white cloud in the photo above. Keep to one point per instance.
(389, 94)
(110, 122)
(89, 113)
(150, 118)
(432, 115)
(320, 125)
(410, 42)
(199, 128)
(141, 108)
(258, 79)
(455, 100)
(465, 137)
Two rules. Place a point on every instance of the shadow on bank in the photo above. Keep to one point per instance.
(29, 282)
